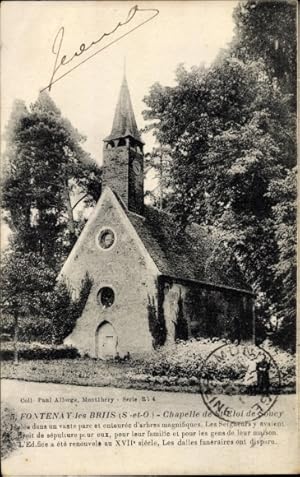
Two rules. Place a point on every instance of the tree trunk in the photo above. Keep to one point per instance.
(71, 224)
(160, 181)
(53, 333)
(16, 336)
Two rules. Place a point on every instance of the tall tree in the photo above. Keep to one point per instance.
(283, 193)
(267, 30)
(26, 283)
(231, 132)
(40, 306)
(158, 161)
(44, 163)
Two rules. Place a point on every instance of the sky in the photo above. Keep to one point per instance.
(182, 32)
(188, 32)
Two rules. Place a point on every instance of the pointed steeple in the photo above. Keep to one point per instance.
(124, 124)
(123, 158)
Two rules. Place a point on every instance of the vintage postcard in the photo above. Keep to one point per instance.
(148, 245)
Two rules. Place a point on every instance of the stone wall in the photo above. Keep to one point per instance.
(207, 311)
(136, 183)
(115, 170)
(148, 309)
(126, 268)
(119, 175)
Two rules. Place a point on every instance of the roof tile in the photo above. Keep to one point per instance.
(197, 254)
(124, 123)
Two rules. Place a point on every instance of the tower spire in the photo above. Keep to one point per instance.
(123, 159)
(124, 123)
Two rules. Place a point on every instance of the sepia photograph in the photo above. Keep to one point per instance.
(148, 237)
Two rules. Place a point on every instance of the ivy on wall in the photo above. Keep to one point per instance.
(181, 326)
(156, 320)
(66, 310)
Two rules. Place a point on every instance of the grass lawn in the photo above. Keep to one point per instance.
(92, 372)
(83, 372)
(175, 368)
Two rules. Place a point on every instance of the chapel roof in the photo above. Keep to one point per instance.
(196, 254)
(124, 123)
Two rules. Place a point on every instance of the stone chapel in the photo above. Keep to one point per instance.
(151, 284)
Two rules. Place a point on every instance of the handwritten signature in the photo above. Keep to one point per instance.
(64, 61)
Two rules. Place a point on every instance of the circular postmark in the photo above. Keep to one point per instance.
(239, 382)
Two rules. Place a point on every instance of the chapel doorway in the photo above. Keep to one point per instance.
(106, 341)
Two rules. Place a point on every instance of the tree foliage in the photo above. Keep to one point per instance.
(63, 310)
(158, 161)
(267, 30)
(181, 326)
(44, 164)
(156, 321)
(230, 129)
(40, 307)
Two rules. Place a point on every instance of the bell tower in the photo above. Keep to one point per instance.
(123, 159)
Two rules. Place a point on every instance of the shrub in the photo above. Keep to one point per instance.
(29, 351)
(6, 325)
(183, 359)
(285, 361)
(182, 363)
(156, 321)
(35, 305)
(62, 310)
(181, 326)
